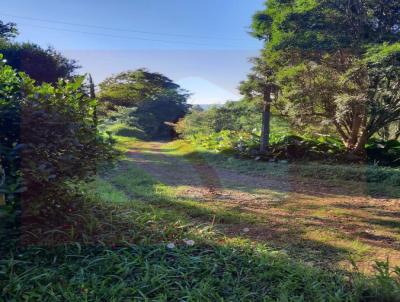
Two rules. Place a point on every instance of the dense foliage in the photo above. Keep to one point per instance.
(156, 100)
(233, 116)
(42, 65)
(48, 138)
(7, 30)
(336, 63)
(235, 128)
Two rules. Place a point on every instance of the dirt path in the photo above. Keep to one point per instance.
(315, 221)
(200, 180)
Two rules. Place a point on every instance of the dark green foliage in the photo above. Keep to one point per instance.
(327, 25)
(7, 30)
(42, 65)
(48, 138)
(324, 56)
(156, 98)
(384, 152)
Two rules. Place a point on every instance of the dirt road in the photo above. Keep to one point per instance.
(316, 222)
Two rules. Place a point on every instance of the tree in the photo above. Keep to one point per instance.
(260, 84)
(92, 94)
(157, 98)
(8, 30)
(42, 65)
(322, 53)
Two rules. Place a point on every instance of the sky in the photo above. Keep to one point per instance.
(202, 45)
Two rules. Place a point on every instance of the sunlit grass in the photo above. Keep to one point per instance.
(130, 220)
(332, 238)
(371, 180)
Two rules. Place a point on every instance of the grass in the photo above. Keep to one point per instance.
(336, 227)
(119, 251)
(154, 273)
(377, 180)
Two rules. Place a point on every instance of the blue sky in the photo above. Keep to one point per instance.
(202, 45)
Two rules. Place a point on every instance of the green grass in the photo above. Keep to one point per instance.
(154, 273)
(378, 180)
(129, 219)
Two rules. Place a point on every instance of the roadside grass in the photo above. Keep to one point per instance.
(337, 227)
(376, 180)
(117, 250)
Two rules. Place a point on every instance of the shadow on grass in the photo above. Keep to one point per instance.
(280, 232)
(347, 239)
(125, 256)
(311, 178)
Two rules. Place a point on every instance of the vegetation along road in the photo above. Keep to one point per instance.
(323, 222)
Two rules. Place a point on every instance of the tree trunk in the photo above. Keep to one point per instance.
(397, 134)
(93, 96)
(266, 117)
(359, 148)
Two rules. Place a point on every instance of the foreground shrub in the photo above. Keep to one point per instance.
(48, 139)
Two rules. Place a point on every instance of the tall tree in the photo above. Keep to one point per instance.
(325, 55)
(43, 65)
(92, 95)
(157, 98)
(260, 87)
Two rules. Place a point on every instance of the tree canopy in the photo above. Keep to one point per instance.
(157, 98)
(42, 65)
(336, 62)
(8, 30)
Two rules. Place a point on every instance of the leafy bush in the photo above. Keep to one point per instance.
(122, 121)
(384, 152)
(48, 140)
(282, 146)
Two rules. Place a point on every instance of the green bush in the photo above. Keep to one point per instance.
(48, 138)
